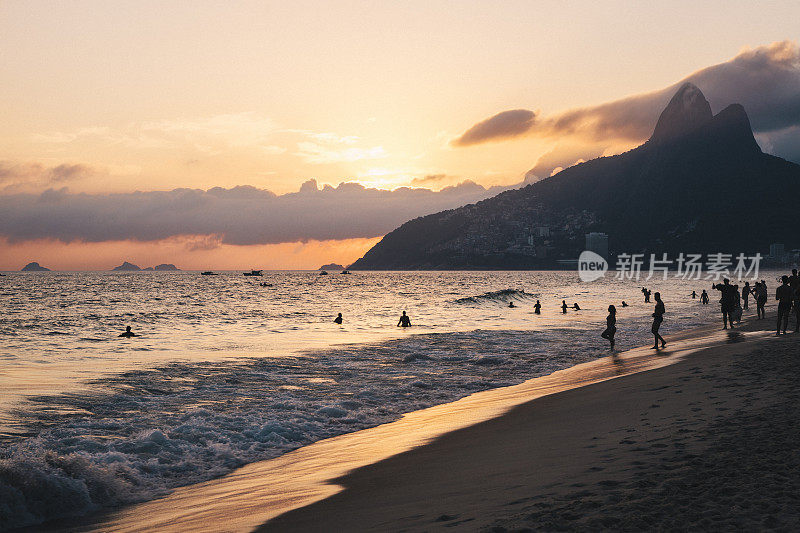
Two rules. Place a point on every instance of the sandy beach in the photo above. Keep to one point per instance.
(708, 443)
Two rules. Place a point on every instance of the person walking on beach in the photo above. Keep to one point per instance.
(611, 325)
(564, 307)
(746, 290)
(760, 294)
(405, 321)
(704, 297)
(537, 308)
(658, 318)
(727, 301)
(784, 296)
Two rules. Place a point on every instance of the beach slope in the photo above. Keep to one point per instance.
(708, 443)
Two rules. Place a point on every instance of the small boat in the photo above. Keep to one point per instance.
(254, 273)
(208, 273)
(323, 273)
(345, 271)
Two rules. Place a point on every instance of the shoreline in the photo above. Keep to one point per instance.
(262, 491)
(705, 443)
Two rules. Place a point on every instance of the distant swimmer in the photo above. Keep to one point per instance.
(624, 304)
(511, 304)
(704, 297)
(537, 308)
(404, 321)
(576, 307)
(694, 295)
(611, 325)
(564, 307)
(338, 319)
(128, 333)
(658, 318)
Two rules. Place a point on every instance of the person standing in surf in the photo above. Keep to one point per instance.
(611, 325)
(405, 321)
(537, 308)
(658, 318)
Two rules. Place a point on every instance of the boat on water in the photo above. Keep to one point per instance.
(254, 273)
(208, 273)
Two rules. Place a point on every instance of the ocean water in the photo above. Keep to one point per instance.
(228, 372)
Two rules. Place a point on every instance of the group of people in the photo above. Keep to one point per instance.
(788, 297)
(658, 318)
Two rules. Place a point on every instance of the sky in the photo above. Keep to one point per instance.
(190, 132)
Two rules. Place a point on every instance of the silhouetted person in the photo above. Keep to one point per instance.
(576, 307)
(658, 318)
(794, 280)
(646, 293)
(564, 307)
(404, 322)
(338, 319)
(624, 304)
(784, 296)
(128, 333)
(737, 307)
(746, 291)
(760, 294)
(796, 304)
(727, 301)
(704, 297)
(694, 295)
(537, 308)
(511, 304)
(611, 325)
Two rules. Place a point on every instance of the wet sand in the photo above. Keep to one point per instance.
(709, 443)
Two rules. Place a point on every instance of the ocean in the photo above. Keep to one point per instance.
(227, 372)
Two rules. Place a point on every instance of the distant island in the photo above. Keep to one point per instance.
(331, 266)
(130, 267)
(34, 267)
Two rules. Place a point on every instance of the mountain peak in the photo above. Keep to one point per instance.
(687, 111)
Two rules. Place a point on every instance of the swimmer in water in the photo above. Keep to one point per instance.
(576, 307)
(511, 304)
(537, 308)
(338, 319)
(624, 304)
(128, 333)
(564, 307)
(404, 322)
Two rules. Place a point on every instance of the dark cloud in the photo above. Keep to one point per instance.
(14, 175)
(765, 80)
(503, 125)
(241, 215)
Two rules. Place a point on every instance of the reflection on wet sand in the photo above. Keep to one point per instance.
(258, 492)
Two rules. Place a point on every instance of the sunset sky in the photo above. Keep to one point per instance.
(100, 100)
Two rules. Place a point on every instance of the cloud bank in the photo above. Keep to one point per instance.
(765, 80)
(241, 215)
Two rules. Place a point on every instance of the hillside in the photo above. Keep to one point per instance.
(700, 184)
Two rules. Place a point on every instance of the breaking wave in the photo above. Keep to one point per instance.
(501, 296)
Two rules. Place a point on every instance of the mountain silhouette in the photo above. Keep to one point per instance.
(700, 184)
